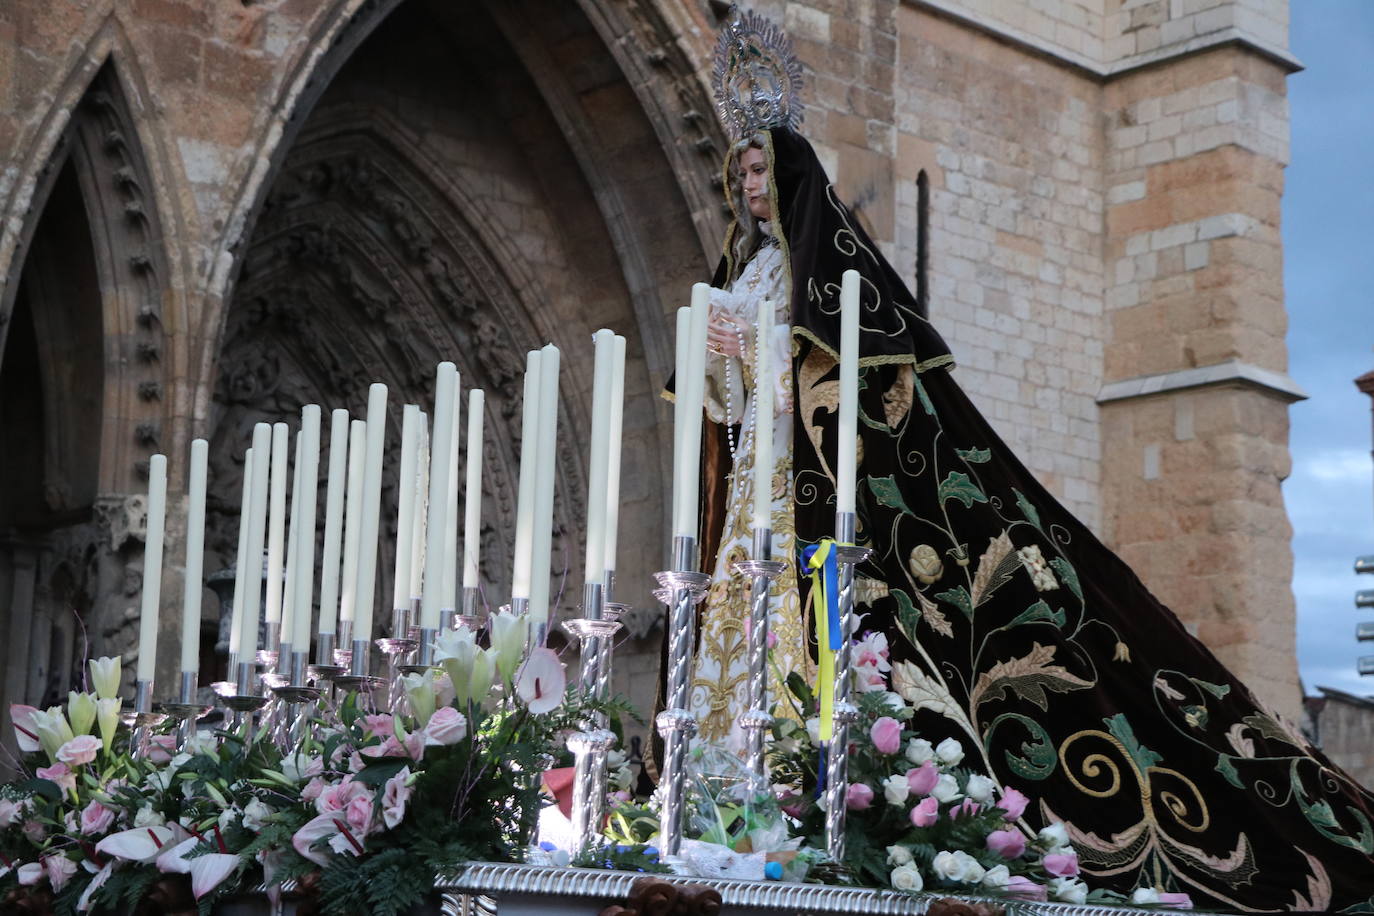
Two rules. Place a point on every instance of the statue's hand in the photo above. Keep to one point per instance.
(723, 334)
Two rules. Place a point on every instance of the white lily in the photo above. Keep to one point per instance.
(508, 634)
(105, 673)
(107, 719)
(53, 731)
(456, 651)
(81, 711)
(483, 675)
(419, 689)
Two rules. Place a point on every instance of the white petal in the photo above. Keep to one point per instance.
(141, 844)
(208, 871)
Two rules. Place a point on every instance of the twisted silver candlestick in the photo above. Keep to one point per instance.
(756, 720)
(837, 754)
(681, 589)
(593, 632)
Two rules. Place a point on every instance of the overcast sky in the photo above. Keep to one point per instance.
(1328, 233)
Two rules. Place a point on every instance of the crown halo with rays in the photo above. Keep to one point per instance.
(757, 77)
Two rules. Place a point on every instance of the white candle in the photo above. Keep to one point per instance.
(353, 520)
(305, 551)
(293, 543)
(543, 489)
(333, 524)
(684, 339)
(257, 524)
(529, 458)
(195, 557)
(763, 417)
(594, 569)
(445, 399)
(371, 513)
(693, 390)
(419, 513)
(847, 439)
(405, 505)
(613, 465)
(276, 522)
(448, 597)
(152, 567)
(472, 491)
(241, 564)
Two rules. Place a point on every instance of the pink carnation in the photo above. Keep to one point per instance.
(922, 779)
(1010, 844)
(887, 735)
(396, 797)
(926, 812)
(1062, 864)
(96, 818)
(859, 796)
(1014, 803)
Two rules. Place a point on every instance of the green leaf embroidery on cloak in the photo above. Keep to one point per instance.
(975, 455)
(1228, 770)
(1121, 730)
(958, 486)
(888, 494)
(1067, 574)
(908, 618)
(958, 597)
(1039, 758)
(1217, 690)
(1026, 508)
(1039, 611)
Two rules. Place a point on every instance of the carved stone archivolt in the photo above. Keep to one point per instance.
(361, 270)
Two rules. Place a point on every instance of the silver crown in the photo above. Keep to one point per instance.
(757, 77)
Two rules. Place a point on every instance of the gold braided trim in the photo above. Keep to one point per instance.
(900, 359)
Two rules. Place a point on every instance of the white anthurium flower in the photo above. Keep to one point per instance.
(81, 711)
(107, 719)
(508, 635)
(542, 681)
(105, 672)
(84, 902)
(209, 871)
(172, 860)
(140, 844)
(419, 690)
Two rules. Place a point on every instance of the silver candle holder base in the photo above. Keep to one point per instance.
(343, 648)
(589, 793)
(756, 721)
(186, 710)
(142, 719)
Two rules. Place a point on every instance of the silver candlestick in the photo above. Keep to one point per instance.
(396, 648)
(756, 720)
(295, 696)
(185, 710)
(837, 757)
(471, 614)
(142, 718)
(591, 743)
(681, 589)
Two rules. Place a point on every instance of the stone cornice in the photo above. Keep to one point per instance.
(1231, 372)
(953, 10)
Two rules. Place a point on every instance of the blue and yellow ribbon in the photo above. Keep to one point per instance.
(820, 559)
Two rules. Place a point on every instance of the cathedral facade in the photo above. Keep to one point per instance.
(211, 214)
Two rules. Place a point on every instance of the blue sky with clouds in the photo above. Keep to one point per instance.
(1328, 233)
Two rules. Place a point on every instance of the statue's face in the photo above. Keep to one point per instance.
(753, 176)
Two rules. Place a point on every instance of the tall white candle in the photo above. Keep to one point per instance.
(372, 506)
(420, 512)
(276, 521)
(529, 459)
(613, 459)
(847, 439)
(405, 505)
(472, 491)
(448, 597)
(353, 520)
(195, 556)
(241, 563)
(152, 567)
(543, 489)
(257, 525)
(594, 570)
(683, 345)
(763, 417)
(309, 456)
(694, 391)
(293, 543)
(333, 524)
(436, 529)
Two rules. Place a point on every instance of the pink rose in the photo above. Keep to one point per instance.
(887, 735)
(312, 789)
(58, 773)
(1010, 844)
(446, 726)
(337, 797)
(858, 797)
(1179, 900)
(59, 870)
(772, 639)
(1062, 864)
(926, 812)
(1025, 888)
(1014, 803)
(161, 748)
(922, 779)
(966, 808)
(96, 818)
(395, 798)
(358, 814)
(379, 725)
(79, 750)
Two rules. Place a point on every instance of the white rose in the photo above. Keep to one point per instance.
(896, 789)
(255, 815)
(958, 866)
(1054, 836)
(950, 752)
(1069, 890)
(147, 817)
(615, 759)
(813, 729)
(997, 877)
(227, 816)
(202, 742)
(980, 788)
(898, 855)
(946, 789)
(918, 751)
(906, 878)
(1145, 895)
(894, 701)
